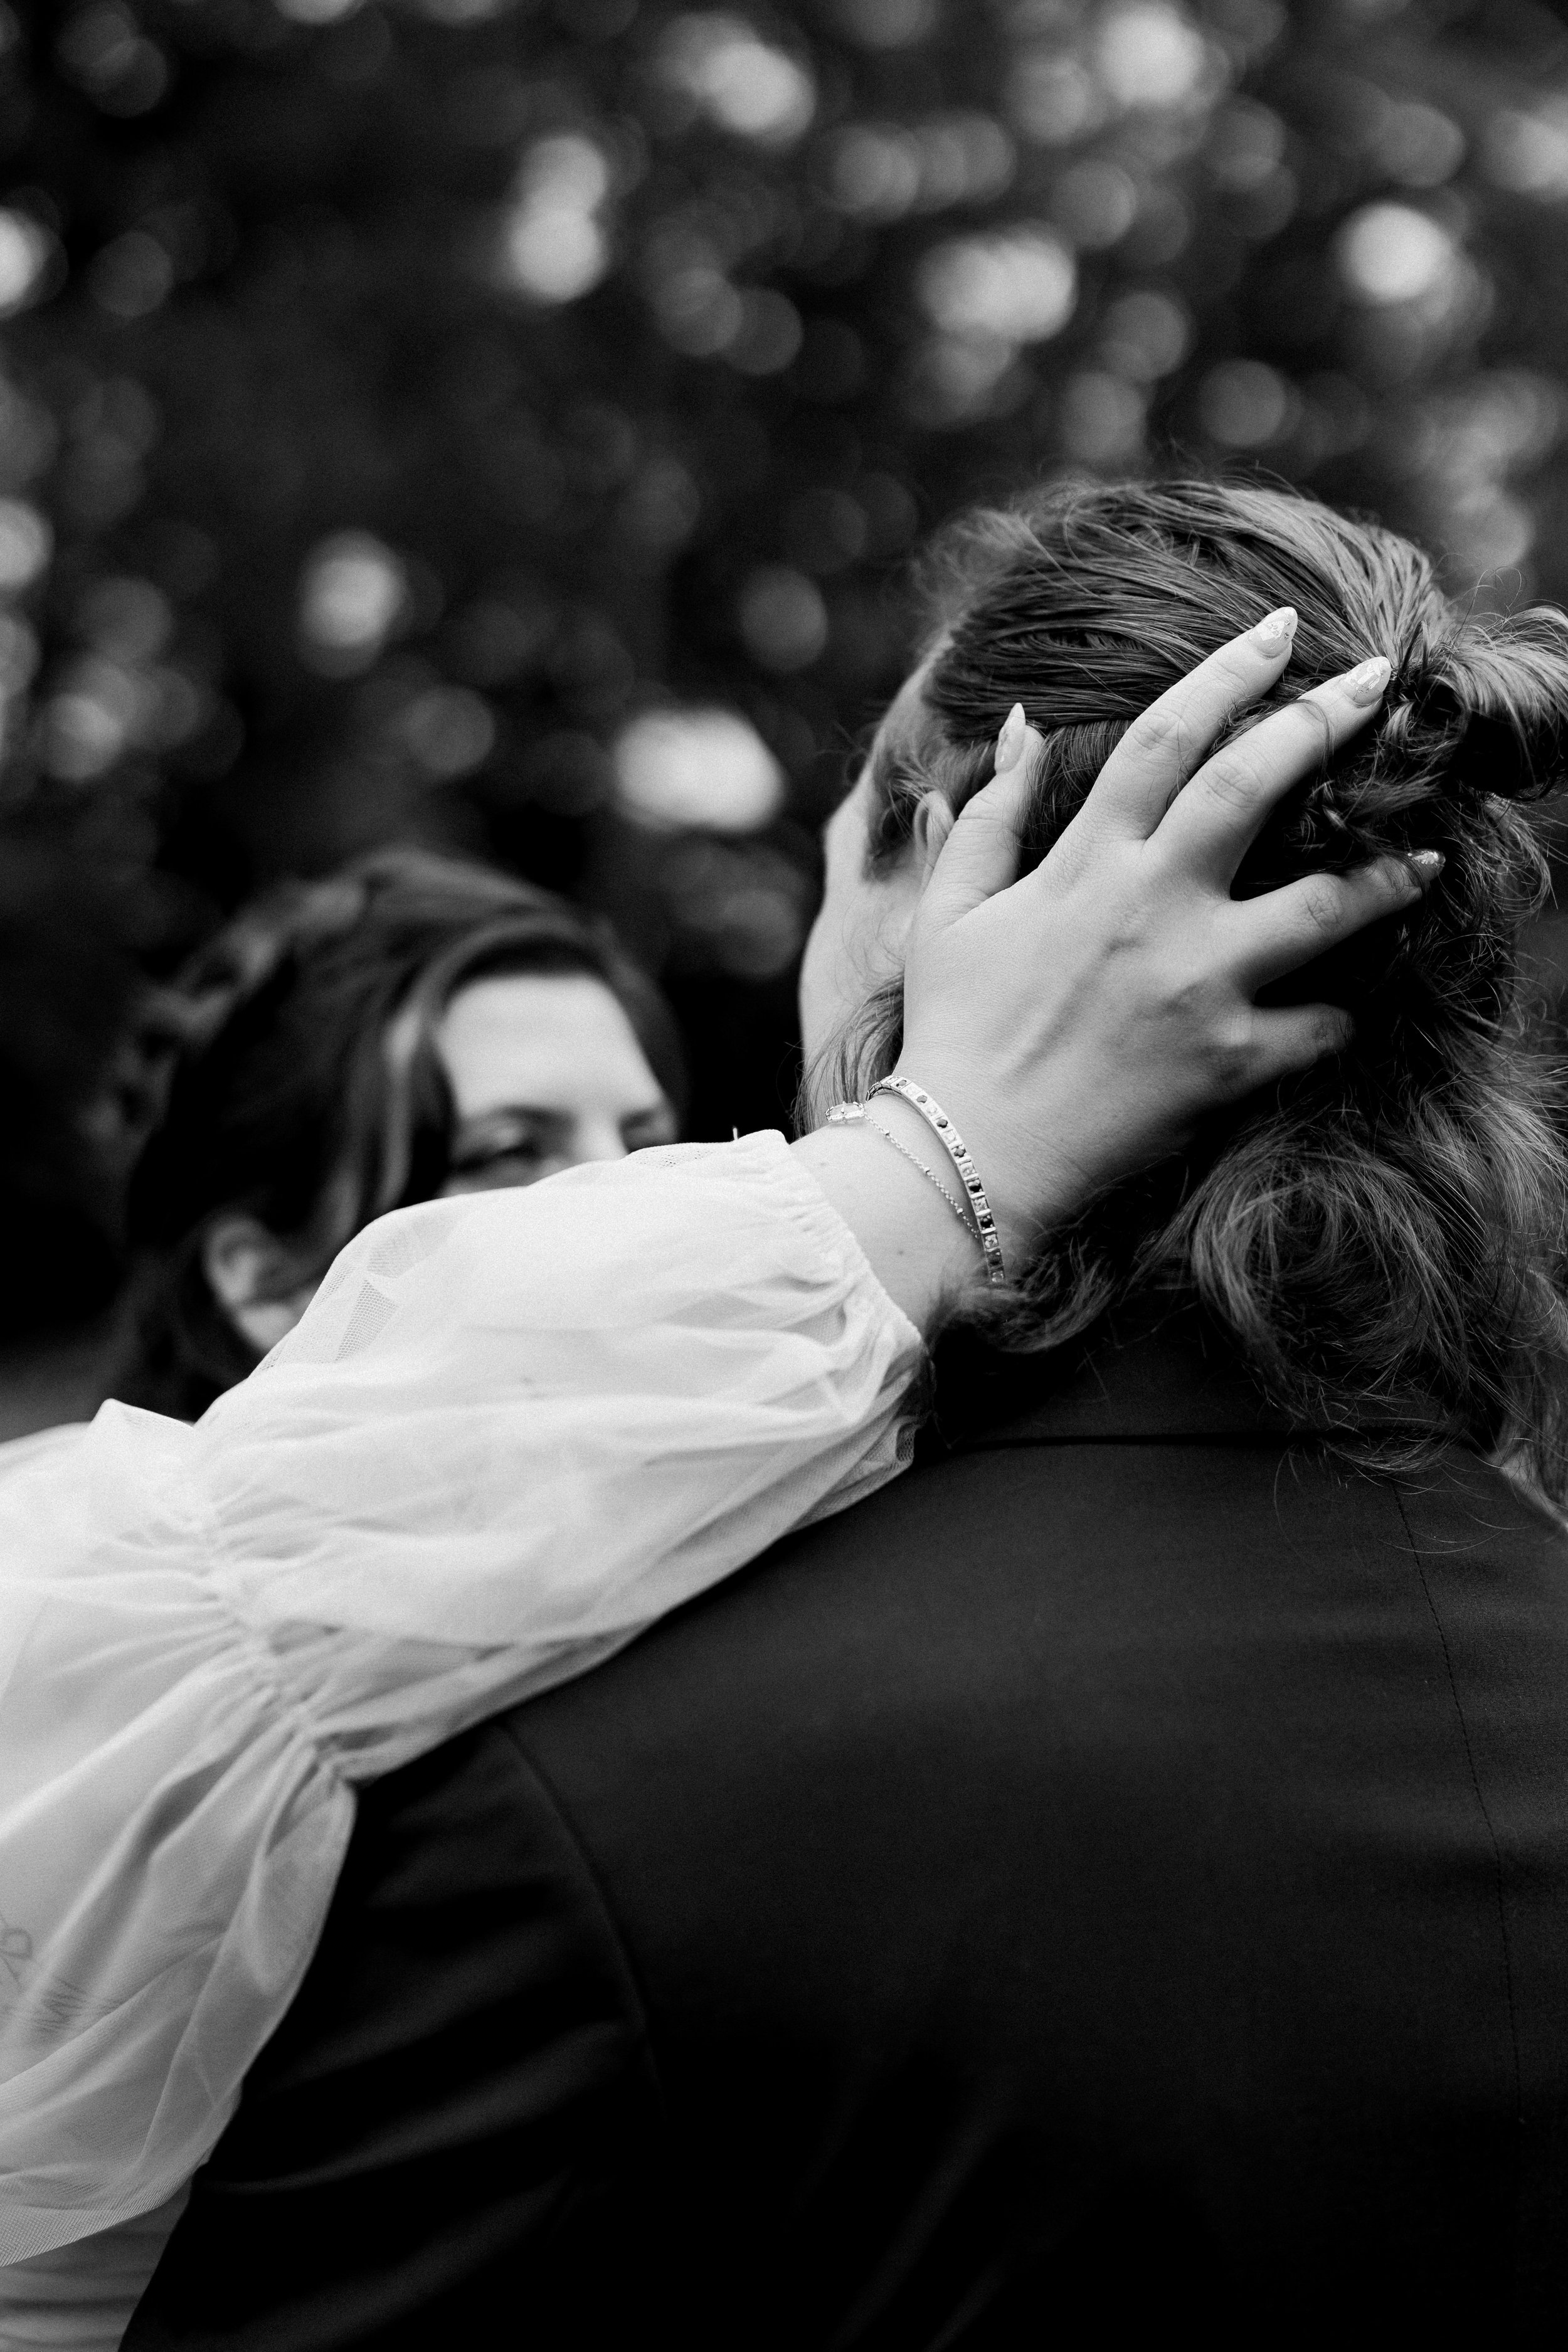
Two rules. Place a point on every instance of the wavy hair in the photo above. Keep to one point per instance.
(1382, 1237)
(295, 1076)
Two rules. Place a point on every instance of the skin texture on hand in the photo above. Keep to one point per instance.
(1077, 1023)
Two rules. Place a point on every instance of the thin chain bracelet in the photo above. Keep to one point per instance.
(853, 1114)
(929, 1174)
(957, 1150)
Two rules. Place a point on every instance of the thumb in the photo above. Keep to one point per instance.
(981, 854)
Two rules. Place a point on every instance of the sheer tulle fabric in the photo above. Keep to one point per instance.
(512, 1431)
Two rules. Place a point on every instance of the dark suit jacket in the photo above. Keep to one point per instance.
(1117, 1877)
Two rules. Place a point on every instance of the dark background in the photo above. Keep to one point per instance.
(420, 420)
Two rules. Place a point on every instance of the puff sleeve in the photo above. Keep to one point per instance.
(512, 1431)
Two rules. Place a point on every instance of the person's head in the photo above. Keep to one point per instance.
(416, 1025)
(1389, 1229)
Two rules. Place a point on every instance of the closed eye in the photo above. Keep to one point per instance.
(506, 1136)
(648, 1128)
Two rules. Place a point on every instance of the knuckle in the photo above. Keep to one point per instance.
(1159, 732)
(1231, 1050)
(1233, 778)
(1320, 904)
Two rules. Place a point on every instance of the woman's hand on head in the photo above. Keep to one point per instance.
(1077, 1023)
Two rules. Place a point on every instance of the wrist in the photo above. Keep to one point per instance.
(917, 1249)
(1027, 1189)
(931, 1133)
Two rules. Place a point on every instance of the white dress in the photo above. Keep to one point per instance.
(512, 1429)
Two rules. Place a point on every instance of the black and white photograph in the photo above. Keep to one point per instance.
(784, 1146)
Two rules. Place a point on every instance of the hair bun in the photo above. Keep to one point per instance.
(1492, 756)
(1503, 688)
(1485, 754)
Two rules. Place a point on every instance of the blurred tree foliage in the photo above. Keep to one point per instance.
(503, 422)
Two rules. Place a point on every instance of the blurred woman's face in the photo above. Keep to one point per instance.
(546, 1072)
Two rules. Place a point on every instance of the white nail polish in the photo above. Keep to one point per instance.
(1365, 684)
(1010, 743)
(1276, 629)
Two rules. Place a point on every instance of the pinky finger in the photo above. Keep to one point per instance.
(1303, 919)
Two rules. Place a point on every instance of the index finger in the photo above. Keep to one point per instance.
(1169, 742)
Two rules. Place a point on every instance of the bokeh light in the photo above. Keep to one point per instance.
(554, 243)
(26, 544)
(354, 591)
(26, 249)
(887, 24)
(85, 726)
(1390, 253)
(1095, 204)
(128, 620)
(1151, 55)
(104, 49)
(783, 617)
(131, 275)
(706, 768)
(1054, 98)
(449, 729)
(1419, 145)
(1146, 334)
(1018, 285)
(1246, 404)
(1526, 148)
(739, 81)
(880, 171)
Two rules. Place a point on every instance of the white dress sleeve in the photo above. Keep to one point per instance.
(512, 1431)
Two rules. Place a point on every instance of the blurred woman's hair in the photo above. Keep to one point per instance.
(1382, 1237)
(301, 1086)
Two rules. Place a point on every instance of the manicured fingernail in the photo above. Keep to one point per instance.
(1010, 743)
(1276, 629)
(1425, 865)
(1366, 684)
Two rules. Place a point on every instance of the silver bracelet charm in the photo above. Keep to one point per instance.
(952, 1143)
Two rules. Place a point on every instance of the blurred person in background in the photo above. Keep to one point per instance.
(414, 1027)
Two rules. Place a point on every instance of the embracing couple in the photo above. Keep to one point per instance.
(1115, 1875)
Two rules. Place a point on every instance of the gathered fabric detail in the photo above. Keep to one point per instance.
(512, 1431)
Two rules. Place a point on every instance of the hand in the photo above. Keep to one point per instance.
(1077, 1023)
